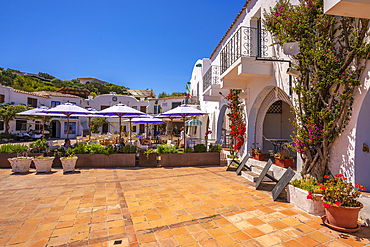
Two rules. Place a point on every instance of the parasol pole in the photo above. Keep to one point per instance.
(130, 130)
(120, 128)
(43, 126)
(171, 129)
(68, 125)
(147, 128)
(89, 127)
(184, 133)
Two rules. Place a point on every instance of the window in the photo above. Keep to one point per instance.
(32, 102)
(1, 125)
(73, 103)
(143, 109)
(20, 125)
(2, 98)
(175, 104)
(155, 109)
(102, 107)
(134, 107)
(55, 103)
(134, 128)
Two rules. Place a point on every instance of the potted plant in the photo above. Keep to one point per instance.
(148, 157)
(283, 158)
(306, 186)
(258, 155)
(340, 203)
(43, 164)
(69, 162)
(21, 163)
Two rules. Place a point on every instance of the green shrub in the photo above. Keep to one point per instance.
(200, 148)
(13, 148)
(308, 183)
(129, 149)
(39, 146)
(188, 149)
(167, 149)
(91, 149)
(215, 148)
(6, 136)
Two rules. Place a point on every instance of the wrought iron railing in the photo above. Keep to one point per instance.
(247, 41)
(211, 77)
(193, 100)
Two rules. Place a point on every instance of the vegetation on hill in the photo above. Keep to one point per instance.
(33, 84)
(174, 94)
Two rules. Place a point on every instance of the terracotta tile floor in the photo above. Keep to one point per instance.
(153, 207)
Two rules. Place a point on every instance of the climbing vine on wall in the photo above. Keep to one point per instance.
(332, 58)
(236, 117)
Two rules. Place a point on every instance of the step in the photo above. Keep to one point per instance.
(258, 170)
(251, 176)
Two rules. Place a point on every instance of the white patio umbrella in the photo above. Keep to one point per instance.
(183, 111)
(66, 109)
(145, 119)
(89, 115)
(121, 111)
(38, 112)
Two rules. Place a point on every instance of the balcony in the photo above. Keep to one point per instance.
(211, 77)
(350, 8)
(238, 57)
(212, 84)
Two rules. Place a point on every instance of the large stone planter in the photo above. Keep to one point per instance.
(190, 159)
(43, 165)
(69, 164)
(148, 160)
(105, 161)
(298, 198)
(20, 164)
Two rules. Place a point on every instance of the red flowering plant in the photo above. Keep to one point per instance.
(236, 117)
(339, 192)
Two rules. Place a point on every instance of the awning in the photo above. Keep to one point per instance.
(193, 122)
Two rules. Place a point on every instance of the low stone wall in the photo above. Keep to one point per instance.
(190, 159)
(4, 163)
(104, 161)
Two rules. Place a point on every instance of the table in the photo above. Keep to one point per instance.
(277, 143)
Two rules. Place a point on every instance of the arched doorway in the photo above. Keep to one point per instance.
(275, 95)
(55, 129)
(362, 167)
(223, 132)
(276, 124)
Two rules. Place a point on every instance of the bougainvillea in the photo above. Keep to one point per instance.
(236, 117)
(333, 54)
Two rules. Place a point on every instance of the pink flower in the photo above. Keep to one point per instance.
(309, 197)
(337, 203)
(326, 205)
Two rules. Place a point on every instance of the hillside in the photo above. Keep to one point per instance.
(45, 82)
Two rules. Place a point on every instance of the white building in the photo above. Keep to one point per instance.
(241, 61)
(58, 125)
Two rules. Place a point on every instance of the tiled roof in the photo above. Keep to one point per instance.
(142, 93)
(31, 93)
(56, 94)
(232, 25)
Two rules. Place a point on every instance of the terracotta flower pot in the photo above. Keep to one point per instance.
(285, 163)
(259, 156)
(345, 217)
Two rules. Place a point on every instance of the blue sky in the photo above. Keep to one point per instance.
(138, 44)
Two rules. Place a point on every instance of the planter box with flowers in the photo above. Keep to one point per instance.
(148, 158)
(283, 158)
(257, 154)
(300, 189)
(340, 203)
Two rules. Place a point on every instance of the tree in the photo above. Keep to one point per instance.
(174, 94)
(46, 75)
(9, 111)
(333, 54)
(96, 123)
